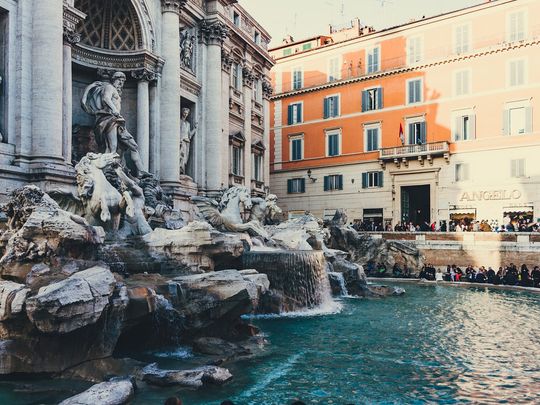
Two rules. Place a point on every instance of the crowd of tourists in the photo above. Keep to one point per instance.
(505, 275)
(465, 225)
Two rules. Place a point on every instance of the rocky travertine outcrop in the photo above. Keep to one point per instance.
(39, 231)
(197, 247)
(116, 392)
(72, 303)
(363, 248)
(12, 297)
(304, 233)
(194, 378)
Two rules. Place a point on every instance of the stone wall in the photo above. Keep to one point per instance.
(475, 248)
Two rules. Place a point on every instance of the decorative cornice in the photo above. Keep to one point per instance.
(72, 17)
(213, 32)
(172, 6)
(144, 74)
(124, 62)
(247, 76)
(226, 60)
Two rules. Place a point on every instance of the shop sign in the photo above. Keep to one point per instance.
(490, 195)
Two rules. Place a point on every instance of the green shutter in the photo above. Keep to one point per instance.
(506, 122)
(289, 186)
(289, 114)
(325, 108)
(364, 180)
(458, 128)
(412, 135)
(340, 182)
(326, 183)
(528, 120)
(380, 98)
(381, 177)
(423, 134)
(472, 126)
(302, 185)
(336, 106)
(364, 100)
(299, 113)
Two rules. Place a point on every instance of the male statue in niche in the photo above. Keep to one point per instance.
(103, 100)
(186, 133)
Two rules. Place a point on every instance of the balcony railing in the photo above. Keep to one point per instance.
(408, 151)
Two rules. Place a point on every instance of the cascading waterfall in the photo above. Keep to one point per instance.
(338, 277)
(299, 277)
(167, 321)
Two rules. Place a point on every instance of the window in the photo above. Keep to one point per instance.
(414, 91)
(297, 78)
(333, 182)
(257, 38)
(306, 47)
(372, 179)
(517, 119)
(461, 172)
(416, 132)
(516, 26)
(372, 99)
(297, 147)
(464, 127)
(371, 137)
(373, 60)
(331, 107)
(257, 90)
(333, 143)
(237, 160)
(296, 186)
(414, 50)
(294, 113)
(517, 168)
(236, 19)
(462, 82)
(462, 39)
(516, 72)
(236, 76)
(333, 69)
(257, 167)
(287, 52)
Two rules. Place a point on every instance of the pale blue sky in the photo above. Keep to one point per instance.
(305, 18)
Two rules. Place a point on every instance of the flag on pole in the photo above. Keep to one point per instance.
(401, 136)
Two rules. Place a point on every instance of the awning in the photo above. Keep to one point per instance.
(519, 209)
(463, 211)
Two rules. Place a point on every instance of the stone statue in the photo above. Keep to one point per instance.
(265, 210)
(228, 213)
(186, 133)
(160, 206)
(103, 100)
(134, 206)
(186, 50)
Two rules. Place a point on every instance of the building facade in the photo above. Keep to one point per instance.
(433, 120)
(206, 55)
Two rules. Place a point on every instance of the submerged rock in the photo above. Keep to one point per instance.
(194, 378)
(116, 392)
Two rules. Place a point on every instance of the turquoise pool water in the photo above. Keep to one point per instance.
(436, 344)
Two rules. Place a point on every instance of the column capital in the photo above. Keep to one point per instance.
(72, 18)
(248, 76)
(267, 89)
(213, 32)
(144, 75)
(226, 60)
(172, 6)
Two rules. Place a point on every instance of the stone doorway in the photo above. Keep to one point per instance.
(415, 204)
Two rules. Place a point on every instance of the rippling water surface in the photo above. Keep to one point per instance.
(433, 345)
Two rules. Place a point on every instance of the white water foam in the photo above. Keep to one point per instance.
(273, 376)
(342, 285)
(175, 353)
(327, 308)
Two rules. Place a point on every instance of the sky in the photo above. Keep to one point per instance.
(307, 18)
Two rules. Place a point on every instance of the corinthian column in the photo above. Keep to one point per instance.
(47, 81)
(170, 93)
(213, 33)
(143, 114)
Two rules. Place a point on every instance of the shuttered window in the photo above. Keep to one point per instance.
(372, 139)
(297, 148)
(517, 120)
(462, 39)
(294, 113)
(517, 26)
(296, 186)
(414, 91)
(331, 107)
(517, 168)
(417, 133)
(462, 83)
(333, 182)
(297, 79)
(516, 73)
(372, 179)
(372, 99)
(465, 127)
(373, 60)
(461, 172)
(414, 50)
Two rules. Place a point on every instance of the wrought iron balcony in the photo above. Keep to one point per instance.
(427, 150)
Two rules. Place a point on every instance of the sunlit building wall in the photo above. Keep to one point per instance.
(433, 120)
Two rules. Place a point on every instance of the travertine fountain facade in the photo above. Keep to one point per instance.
(208, 56)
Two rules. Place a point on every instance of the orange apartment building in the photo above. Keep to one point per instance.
(433, 120)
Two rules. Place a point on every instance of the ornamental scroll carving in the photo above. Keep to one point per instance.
(174, 6)
(213, 32)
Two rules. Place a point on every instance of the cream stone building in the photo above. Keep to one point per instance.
(206, 55)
